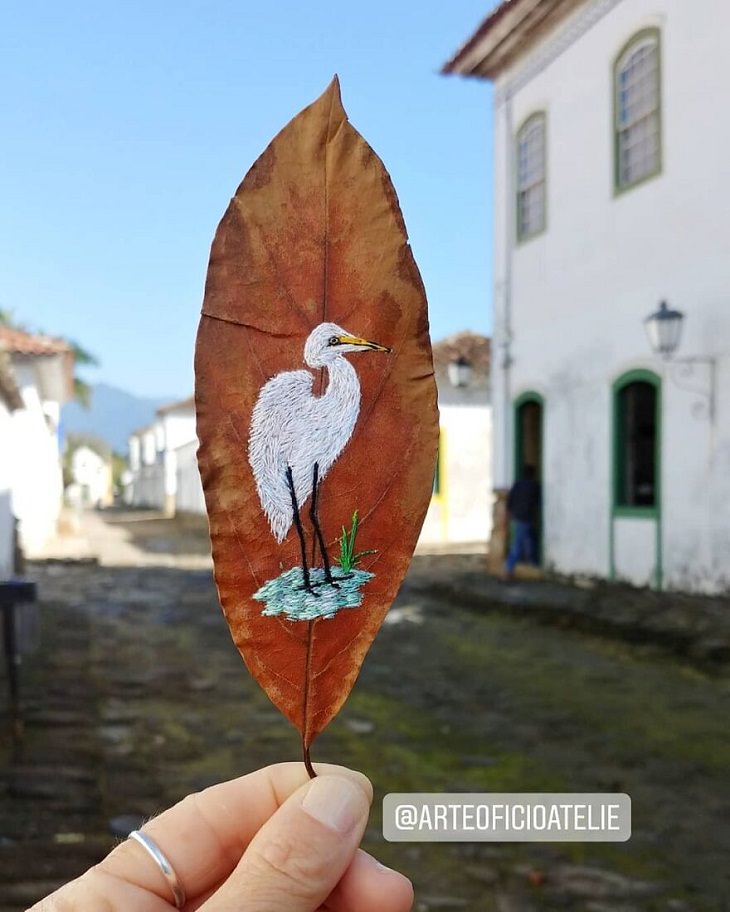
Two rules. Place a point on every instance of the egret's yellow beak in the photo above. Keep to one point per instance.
(363, 343)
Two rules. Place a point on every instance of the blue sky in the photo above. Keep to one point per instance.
(128, 125)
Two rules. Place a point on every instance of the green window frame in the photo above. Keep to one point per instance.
(637, 394)
(637, 111)
(531, 177)
(437, 480)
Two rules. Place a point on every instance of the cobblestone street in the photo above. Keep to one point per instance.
(137, 696)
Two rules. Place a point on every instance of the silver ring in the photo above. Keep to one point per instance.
(163, 864)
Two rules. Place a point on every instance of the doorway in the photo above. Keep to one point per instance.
(635, 544)
(529, 426)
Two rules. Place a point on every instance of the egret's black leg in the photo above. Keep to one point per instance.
(300, 530)
(317, 530)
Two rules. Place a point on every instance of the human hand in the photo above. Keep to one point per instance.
(272, 841)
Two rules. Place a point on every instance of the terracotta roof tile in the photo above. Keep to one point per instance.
(19, 342)
(37, 345)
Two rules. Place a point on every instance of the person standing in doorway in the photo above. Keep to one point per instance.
(523, 509)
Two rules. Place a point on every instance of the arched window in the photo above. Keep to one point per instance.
(531, 177)
(636, 440)
(637, 110)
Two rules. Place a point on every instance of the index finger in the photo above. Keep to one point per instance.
(205, 835)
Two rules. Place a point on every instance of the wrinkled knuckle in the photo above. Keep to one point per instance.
(93, 893)
(65, 903)
(79, 895)
(190, 803)
(60, 901)
(294, 865)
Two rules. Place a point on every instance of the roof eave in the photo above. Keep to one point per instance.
(506, 35)
(181, 405)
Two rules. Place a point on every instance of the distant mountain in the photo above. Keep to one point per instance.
(113, 415)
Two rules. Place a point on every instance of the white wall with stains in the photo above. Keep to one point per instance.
(37, 482)
(569, 303)
(7, 520)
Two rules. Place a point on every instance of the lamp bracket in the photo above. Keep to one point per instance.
(682, 371)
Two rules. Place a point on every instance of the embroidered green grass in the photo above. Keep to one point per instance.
(349, 558)
(287, 596)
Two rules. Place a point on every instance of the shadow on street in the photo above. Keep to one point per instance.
(137, 696)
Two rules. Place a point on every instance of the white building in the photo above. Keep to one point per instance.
(189, 497)
(176, 424)
(612, 193)
(42, 370)
(153, 458)
(460, 512)
(145, 485)
(10, 401)
(91, 472)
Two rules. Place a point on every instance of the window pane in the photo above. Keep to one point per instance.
(531, 177)
(637, 112)
(638, 148)
(636, 445)
(531, 210)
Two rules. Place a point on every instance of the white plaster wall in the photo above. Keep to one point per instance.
(37, 483)
(189, 495)
(462, 513)
(178, 430)
(93, 474)
(155, 455)
(147, 488)
(149, 447)
(158, 429)
(580, 291)
(134, 453)
(434, 529)
(500, 379)
(6, 506)
(635, 550)
(147, 485)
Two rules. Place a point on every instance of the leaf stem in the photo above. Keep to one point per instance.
(307, 760)
(305, 714)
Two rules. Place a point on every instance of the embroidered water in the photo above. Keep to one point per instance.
(288, 595)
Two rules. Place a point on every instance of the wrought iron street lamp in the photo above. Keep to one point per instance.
(664, 329)
(460, 371)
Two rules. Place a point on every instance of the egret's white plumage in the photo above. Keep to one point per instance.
(293, 428)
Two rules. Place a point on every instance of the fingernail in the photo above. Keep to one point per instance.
(377, 865)
(335, 802)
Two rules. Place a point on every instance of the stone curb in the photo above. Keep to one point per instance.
(696, 629)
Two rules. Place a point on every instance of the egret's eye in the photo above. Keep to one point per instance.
(333, 340)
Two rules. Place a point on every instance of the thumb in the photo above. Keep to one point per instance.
(297, 858)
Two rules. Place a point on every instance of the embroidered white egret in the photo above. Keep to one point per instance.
(296, 436)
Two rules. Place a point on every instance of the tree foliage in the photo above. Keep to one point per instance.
(82, 357)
